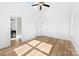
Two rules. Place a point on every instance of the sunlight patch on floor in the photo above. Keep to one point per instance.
(35, 53)
(44, 47)
(22, 49)
(34, 42)
(38, 50)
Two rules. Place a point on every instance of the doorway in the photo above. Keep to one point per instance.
(15, 29)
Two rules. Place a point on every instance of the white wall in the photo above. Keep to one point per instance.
(29, 17)
(56, 20)
(75, 27)
(4, 27)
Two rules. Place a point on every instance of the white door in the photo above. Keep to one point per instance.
(18, 28)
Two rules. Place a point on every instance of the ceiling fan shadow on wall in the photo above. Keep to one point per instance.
(40, 4)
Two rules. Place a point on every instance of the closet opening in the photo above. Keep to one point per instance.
(15, 29)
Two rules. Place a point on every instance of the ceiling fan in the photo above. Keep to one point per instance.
(41, 4)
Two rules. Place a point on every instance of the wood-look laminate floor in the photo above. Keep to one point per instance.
(40, 46)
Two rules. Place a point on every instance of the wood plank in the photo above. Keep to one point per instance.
(60, 47)
(56, 50)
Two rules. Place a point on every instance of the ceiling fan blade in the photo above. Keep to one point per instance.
(35, 4)
(46, 5)
(40, 7)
